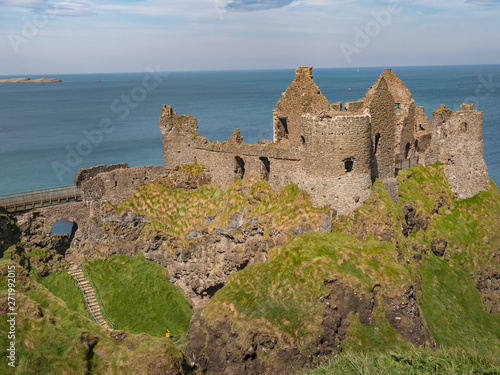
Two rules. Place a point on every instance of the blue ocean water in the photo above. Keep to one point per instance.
(49, 131)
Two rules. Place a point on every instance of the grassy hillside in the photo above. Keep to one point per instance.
(371, 253)
(412, 362)
(52, 339)
(63, 286)
(138, 297)
(176, 212)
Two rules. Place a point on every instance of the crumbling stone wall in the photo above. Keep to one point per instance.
(302, 96)
(423, 133)
(329, 153)
(411, 141)
(115, 184)
(383, 122)
(336, 161)
(318, 165)
(88, 173)
(458, 142)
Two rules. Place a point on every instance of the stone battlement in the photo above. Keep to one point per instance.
(334, 152)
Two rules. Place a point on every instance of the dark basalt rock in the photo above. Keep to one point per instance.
(438, 246)
(413, 222)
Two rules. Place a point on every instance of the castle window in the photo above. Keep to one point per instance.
(239, 168)
(407, 150)
(265, 168)
(376, 143)
(348, 164)
(398, 107)
(416, 145)
(464, 127)
(302, 140)
(284, 126)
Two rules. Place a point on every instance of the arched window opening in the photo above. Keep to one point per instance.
(63, 227)
(62, 234)
(407, 150)
(265, 168)
(284, 126)
(348, 165)
(239, 169)
(376, 143)
(302, 140)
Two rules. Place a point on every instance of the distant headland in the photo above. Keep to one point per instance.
(29, 80)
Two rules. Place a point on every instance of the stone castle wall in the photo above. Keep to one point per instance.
(458, 142)
(116, 184)
(333, 154)
(335, 167)
(302, 96)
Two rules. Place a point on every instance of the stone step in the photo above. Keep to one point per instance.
(89, 295)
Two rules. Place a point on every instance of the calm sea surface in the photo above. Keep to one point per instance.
(49, 131)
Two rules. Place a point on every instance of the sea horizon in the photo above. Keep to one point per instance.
(42, 125)
(39, 75)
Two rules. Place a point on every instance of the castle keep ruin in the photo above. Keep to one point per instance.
(332, 152)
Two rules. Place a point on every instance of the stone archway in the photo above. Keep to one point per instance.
(36, 225)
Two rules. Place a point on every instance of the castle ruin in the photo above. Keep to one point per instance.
(333, 151)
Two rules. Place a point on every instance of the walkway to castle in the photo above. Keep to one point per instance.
(29, 200)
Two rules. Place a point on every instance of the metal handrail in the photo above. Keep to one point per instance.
(406, 163)
(87, 275)
(40, 196)
(83, 294)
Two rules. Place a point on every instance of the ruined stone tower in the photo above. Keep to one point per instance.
(333, 153)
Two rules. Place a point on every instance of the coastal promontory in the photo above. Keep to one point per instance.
(29, 80)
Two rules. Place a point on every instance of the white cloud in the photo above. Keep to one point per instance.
(52, 7)
(483, 2)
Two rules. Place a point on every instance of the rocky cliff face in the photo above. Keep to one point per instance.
(200, 233)
(200, 259)
(9, 233)
(280, 285)
(383, 283)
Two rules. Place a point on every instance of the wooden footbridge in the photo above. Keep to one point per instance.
(29, 200)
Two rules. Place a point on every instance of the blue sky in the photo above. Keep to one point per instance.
(91, 36)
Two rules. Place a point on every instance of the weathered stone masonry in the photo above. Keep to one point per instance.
(333, 154)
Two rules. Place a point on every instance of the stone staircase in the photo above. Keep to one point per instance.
(88, 294)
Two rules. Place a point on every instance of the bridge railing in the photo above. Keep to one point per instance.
(41, 196)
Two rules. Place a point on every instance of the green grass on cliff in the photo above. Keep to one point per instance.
(138, 297)
(283, 294)
(282, 297)
(52, 339)
(414, 362)
(63, 286)
(177, 212)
